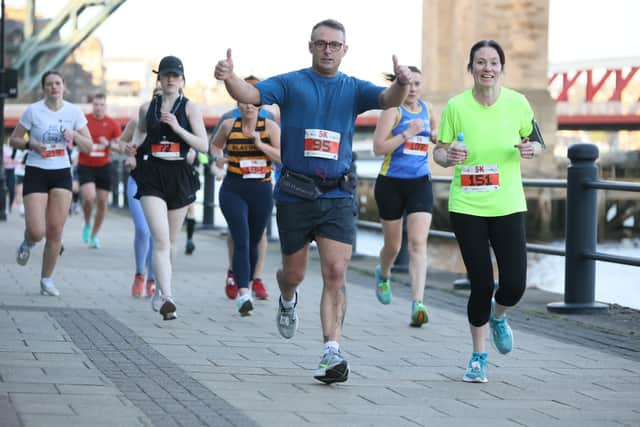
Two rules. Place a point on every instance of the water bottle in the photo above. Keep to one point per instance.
(459, 143)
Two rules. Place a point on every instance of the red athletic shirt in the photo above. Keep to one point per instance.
(99, 155)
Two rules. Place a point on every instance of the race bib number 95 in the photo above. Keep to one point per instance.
(324, 144)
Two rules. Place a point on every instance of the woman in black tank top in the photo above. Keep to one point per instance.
(168, 126)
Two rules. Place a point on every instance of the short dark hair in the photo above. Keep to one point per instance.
(49, 73)
(485, 43)
(99, 95)
(331, 23)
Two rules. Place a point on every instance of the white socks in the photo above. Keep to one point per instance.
(288, 304)
(333, 346)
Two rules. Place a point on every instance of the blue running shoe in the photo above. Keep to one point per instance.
(94, 242)
(86, 233)
(501, 334)
(383, 287)
(419, 314)
(477, 369)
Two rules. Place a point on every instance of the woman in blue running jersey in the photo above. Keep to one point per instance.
(403, 186)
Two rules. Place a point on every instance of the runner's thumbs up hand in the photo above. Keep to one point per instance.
(404, 76)
(224, 67)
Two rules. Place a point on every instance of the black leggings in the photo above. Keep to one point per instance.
(506, 234)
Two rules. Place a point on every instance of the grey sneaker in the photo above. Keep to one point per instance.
(332, 369)
(287, 319)
(49, 289)
(23, 253)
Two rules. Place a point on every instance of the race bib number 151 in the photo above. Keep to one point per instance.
(480, 178)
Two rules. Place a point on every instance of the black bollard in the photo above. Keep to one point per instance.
(580, 233)
(3, 190)
(356, 208)
(115, 183)
(209, 203)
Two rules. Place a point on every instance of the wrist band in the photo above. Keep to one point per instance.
(27, 145)
(404, 136)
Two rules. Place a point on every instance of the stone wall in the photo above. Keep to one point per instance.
(451, 27)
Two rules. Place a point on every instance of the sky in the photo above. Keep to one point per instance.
(273, 37)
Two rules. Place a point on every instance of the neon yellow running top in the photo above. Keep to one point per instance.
(489, 182)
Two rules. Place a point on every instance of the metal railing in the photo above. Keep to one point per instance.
(581, 222)
(580, 252)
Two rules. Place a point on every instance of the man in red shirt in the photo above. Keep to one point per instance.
(94, 169)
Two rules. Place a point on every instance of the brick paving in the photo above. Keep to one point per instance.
(98, 357)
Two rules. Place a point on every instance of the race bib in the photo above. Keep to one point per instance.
(53, 150)
(479, 178)
(166, 150)
(253, 168)
(98, 151)
(416, 146)
(324, 144)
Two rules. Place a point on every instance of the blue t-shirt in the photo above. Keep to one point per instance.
(317, 119)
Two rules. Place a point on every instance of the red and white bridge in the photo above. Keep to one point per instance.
(603, 94)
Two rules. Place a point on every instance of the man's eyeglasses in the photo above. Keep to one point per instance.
(322, 45)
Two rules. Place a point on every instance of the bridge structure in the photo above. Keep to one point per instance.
(603, 94)
(48, 47)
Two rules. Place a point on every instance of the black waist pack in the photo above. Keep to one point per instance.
(298, 185)
(349, 181)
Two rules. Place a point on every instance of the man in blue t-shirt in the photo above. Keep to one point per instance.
(314, 195)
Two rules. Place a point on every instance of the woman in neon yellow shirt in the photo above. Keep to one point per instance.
(486, 201)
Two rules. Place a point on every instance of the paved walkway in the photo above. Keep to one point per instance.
(98, 357)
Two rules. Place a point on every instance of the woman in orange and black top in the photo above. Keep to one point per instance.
(246, 201)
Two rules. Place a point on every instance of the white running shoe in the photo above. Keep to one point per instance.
(156, 299)
(48, 288)
(287, 318)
